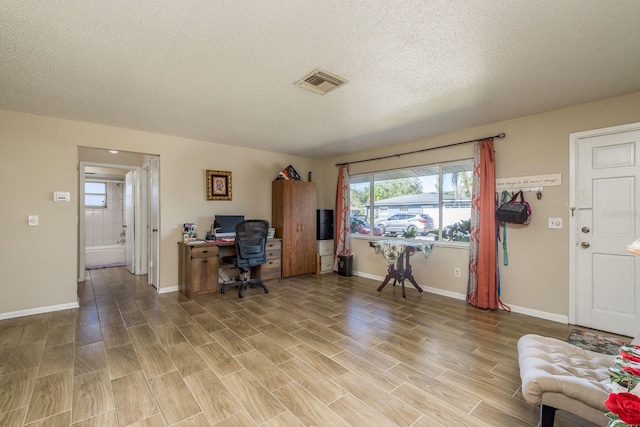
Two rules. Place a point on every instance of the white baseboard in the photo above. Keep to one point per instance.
(168, 289)
(560, 318)
(39, 310)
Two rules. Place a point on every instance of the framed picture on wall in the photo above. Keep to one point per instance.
(218, 185)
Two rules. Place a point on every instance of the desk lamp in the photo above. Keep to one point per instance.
(211, 235)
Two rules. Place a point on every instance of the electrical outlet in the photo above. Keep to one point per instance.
(457, 272)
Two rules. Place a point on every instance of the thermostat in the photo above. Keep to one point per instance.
(61, 196)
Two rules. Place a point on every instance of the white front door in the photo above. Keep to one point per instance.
(129, 220)
(607, 219)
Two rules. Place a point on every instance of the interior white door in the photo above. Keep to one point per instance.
(129, 220)
(141, 240)
(607, 202)
(154, 221)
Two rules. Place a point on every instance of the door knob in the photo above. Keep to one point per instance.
(585, 245)
(155, 230)
(586, 229)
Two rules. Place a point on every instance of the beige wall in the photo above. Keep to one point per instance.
(38, 155)
(536, 281)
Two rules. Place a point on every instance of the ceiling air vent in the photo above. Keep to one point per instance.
(320, 81)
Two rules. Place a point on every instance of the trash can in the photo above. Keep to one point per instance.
(345, 264)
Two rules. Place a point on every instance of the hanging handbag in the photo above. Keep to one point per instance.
(514, 211)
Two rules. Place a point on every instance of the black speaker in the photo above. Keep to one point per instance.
(324, 224)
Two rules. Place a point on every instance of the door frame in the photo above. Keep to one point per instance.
(81, 210)
(574, 141)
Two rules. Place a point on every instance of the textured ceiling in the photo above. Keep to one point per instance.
(223, 71)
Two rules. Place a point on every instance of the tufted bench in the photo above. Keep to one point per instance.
(559, 375)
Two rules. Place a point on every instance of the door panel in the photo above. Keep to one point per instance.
(613, 300)
(129, 220)
(154, 222)
(608, 279)
(614, 198)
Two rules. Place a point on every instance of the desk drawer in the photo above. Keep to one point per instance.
(270, 271)
(326, 263)
(203, 251)
(325, 247)
(273, 244)
(273, 254)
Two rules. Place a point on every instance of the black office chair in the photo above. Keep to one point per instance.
(251, 240)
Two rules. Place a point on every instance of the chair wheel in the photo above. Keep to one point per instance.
(222, 290)
(240, 295)
(266, 291)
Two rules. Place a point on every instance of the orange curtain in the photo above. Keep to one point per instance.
(483, 271)
(341, 242)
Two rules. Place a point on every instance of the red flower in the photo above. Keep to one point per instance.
(626, 406)
(632, 371)
(629, 356)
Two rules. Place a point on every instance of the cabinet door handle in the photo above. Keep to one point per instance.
(204, 252)
(204, 261)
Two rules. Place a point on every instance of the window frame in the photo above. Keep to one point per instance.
(375, 211)
(87, 193)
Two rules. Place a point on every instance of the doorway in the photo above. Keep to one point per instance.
(605, 204)
(133, 205)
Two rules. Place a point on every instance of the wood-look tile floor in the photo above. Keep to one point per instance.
(316, 350)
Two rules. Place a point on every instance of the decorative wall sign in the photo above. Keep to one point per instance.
(522, 182)
(218, 185)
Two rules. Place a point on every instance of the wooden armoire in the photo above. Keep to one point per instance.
(293, 215)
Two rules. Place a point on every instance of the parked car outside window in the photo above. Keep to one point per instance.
(360, 226)
(403, 222)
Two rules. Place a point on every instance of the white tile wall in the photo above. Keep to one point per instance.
(102, 226)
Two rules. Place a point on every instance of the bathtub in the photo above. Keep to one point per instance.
(103, 256)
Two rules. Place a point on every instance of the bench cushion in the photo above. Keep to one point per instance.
(550, 368)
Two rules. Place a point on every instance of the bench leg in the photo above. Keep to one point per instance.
(547, 415)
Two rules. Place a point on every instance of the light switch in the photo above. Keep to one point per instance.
(33, 220)
(555, 222)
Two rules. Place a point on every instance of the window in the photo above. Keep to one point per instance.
(430, 202)
(95, 194)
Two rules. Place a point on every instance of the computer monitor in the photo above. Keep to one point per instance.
(228, 225)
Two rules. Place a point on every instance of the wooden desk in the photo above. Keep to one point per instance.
(198, 265)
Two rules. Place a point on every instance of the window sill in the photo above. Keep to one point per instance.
(438, 244)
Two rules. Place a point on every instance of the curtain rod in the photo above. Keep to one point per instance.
(499, 136)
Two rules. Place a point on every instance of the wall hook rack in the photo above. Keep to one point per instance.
(537, 190)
